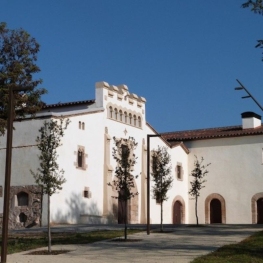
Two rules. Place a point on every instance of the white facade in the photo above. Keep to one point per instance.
(235, 172)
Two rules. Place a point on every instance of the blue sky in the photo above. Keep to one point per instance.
(183, 56)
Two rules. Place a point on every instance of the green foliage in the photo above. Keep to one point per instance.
(124, 155)
(49, 177)
(198, 174)
(161, 173)
(257, 7)
(18, 54)
(248, 250)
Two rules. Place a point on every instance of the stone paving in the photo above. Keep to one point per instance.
(181, 245)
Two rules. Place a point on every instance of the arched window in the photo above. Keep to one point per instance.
(79, 124)
(130, 117)
(22, 199)
(80, 158)
(139, 122)
(120, 112)
(116, 114)
(83, 125)
(134, 120)
(125, 117)
(110, 112)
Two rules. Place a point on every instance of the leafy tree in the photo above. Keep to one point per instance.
(18, 54)
(257, 7)
(48, 176)
(161, 173)
(124, 155)
(198, 173)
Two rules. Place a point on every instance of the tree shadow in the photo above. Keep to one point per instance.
(81, 212)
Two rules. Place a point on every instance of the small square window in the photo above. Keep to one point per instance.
(87, 193)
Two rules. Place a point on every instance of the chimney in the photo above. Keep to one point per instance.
(250, 120)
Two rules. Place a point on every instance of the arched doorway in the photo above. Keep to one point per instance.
(257, 208)
(215, 209)
(22, 218)
(119, 210)
(178, 210)
(178, 213)
(215, 212)
(260, 211)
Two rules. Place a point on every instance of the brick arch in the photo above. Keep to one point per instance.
(254, 211)
(181, 200)
(207, 207)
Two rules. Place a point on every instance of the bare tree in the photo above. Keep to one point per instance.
(123, 183)
(161, 173)
(48, 176)
(198, 173)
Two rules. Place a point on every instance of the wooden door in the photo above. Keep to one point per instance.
(177, 213)
(260, 211)
(215, 211)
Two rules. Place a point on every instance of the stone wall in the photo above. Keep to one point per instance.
(25, 206)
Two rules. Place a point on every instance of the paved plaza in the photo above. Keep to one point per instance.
(180, 245)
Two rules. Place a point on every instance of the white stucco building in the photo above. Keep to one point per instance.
(233, 192)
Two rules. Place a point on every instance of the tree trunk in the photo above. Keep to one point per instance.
(161, 216)
(48, 224)
(161, 205)
(196, 211)
(40, 219)
(126, 217)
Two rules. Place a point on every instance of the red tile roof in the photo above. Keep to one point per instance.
(66, 104)
(212, 133)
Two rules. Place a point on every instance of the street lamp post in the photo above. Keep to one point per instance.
(249, 94)
(8, 163)
(148, 179)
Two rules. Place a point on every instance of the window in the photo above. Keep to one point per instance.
(125, 117)
(125, 151)
(134, 119)
(87, 193)
(116, 114)
(80, 161)
(130, 117)
(139, 122)
(22, 199)
(120, 112)
(110, 112)
(179, 172)
(80, 158)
